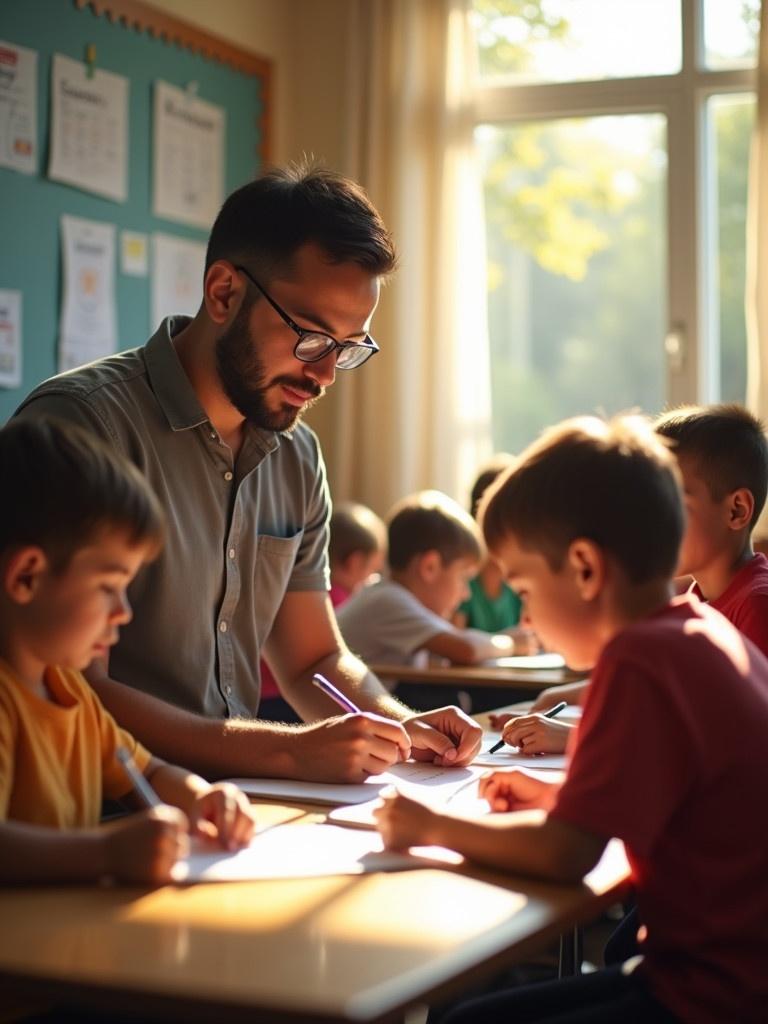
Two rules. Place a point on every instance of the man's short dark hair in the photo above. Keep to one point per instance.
(354, 528)
(431, 521)
(727, 444)
(264, 223)
(614, 483)
(63, 486)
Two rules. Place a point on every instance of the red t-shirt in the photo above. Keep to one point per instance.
(269, 688)
(744, 602)
(671, 756)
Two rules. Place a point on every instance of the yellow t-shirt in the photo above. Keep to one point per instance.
(58, 757)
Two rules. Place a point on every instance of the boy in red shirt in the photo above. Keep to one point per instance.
(671, 755)
(722, 455)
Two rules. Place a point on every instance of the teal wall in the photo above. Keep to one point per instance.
(30, 205)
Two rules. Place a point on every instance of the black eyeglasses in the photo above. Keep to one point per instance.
(313, 346)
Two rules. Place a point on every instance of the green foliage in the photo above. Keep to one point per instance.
(506, 28)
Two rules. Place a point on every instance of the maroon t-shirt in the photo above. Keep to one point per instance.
(671, 756)
(745, 601)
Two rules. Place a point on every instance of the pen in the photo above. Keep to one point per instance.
(547, 714)
(140, 784)
(328, 688)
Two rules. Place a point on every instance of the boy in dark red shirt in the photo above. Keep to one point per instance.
(671, 755)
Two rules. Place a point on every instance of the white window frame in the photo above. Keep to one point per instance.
(691, 344)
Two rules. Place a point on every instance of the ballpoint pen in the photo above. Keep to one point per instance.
(140, 784)
(335, 694)
(553, 711)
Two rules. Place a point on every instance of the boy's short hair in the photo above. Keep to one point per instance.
(354, 528)
(727, 444)
(431, 521)
(264, 223)
(63, 485)
(496, 465)
(615, 483)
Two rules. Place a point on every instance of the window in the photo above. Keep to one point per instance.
(614, 143)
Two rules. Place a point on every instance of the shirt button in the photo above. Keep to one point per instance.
(213, 436)
(222, 627)
(228, 690)
(228, 475)
(231, 552)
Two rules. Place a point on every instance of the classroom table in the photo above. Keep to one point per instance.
(467, 676)
(353, 948)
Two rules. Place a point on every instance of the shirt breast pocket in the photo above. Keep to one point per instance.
(275, 559)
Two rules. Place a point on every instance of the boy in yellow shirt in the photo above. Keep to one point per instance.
(76, 525)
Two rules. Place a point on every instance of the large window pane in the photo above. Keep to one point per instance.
(577, 40)
(575, 217)
(731, 29)
(729, 125)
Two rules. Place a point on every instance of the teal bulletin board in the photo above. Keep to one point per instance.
(31, 205)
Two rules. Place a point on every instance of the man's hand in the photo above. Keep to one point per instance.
(535, 734)
(403, 822)
(446, 737)
(515, 790)
(350, 748)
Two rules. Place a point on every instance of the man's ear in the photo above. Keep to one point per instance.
(223, 291)
(22, 573)
(429, 565)
(741, 508)
(587, 564)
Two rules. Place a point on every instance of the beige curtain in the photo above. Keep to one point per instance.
(757, 250)
(419, 414)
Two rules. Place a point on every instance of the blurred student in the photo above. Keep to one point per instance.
(722, 455)
(588, 526)
(79, 524)
(433, 550)
(356, 551)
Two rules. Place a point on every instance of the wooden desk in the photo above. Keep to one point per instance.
(478, 675)
(361, 948)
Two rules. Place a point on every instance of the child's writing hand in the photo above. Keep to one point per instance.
(515, 790)
(223, 813)
(144, 847)
(403, 822)
(535, 734)
(498, 719)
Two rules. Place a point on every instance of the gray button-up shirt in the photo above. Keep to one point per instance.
(239, 534)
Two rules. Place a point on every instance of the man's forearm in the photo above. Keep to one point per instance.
(216, 748)
(355, 681)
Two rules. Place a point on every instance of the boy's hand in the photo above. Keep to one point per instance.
(144, 847)
(535, 734)
(515, 790)
(525, 640)
(446, 737)
(224, 813)
(571, 693)
(403, 822)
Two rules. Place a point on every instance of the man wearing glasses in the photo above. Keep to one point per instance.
(209, 409)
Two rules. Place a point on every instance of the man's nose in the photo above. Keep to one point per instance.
(324, 370)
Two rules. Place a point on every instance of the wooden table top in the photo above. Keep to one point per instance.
(353, 948)
(478, 675)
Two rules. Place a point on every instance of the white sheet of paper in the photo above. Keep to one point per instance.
(303, 851)
(176, 284)
(89, 129)
(10, 338)
(528, 661)
(510, 757)
(188, 157)
(18, 108)
(88, 326)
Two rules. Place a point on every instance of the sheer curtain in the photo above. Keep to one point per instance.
(419, 414)
(757, 250)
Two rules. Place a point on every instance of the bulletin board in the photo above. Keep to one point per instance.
(144, 45)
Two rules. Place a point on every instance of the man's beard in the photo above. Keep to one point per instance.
(243, 377)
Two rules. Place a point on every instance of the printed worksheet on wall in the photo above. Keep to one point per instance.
(18, 108)
(89, 315)
(89, 129)
(178, 265)
(188, 157)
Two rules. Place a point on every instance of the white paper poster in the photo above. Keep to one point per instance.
(18, 108)
(134, 257)
(178, 266)
(89, 317)
(188, 157)
(89, 129)
(10, 339)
